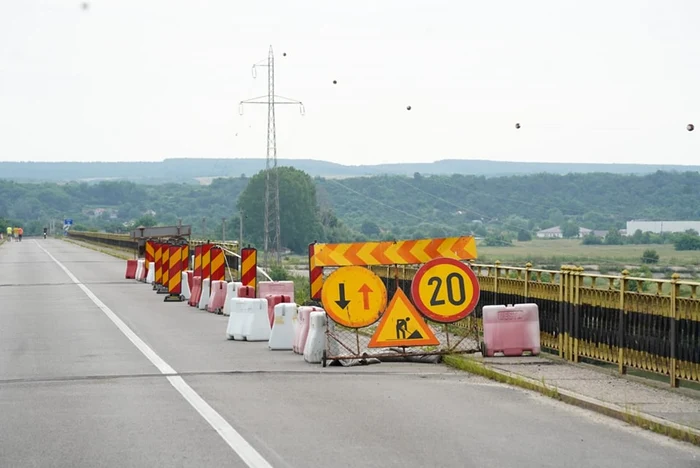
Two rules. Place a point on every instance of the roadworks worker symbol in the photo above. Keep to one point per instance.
(402, 325)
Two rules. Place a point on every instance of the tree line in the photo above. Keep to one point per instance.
(378, 207)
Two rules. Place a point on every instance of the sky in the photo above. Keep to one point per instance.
(127, 80)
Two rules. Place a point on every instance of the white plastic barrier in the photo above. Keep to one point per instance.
(139, 269)
(240, 310)
(282, 334)
(206, 291)
(151, 276)
(511, 329)
(256, 326)
(231, 291)
(185, 291)
(316, 340)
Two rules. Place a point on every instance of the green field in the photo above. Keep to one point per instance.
(571, 251)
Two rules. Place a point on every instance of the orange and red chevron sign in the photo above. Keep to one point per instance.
(404, 252)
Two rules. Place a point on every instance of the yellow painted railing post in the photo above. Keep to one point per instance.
(495, 280)
(622, 324)
(563, 298)
(528, 265)
(674, 328)
(570, 314)
(576, 315)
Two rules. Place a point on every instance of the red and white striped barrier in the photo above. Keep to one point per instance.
(130, 269)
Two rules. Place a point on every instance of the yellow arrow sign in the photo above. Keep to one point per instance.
(354, 296)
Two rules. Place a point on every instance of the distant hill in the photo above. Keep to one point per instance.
(194, 170)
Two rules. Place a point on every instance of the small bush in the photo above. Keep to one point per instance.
(278, 273)
(650, 256)
(524, 236)
(591, 239)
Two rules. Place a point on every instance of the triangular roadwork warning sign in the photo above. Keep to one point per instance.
(402, 325)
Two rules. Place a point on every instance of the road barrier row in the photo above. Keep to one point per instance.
(400, 308)
(266, 313)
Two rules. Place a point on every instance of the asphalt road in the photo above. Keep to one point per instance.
(103, 373)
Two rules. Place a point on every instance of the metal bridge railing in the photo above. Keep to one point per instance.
(125, 241)
(647, 324)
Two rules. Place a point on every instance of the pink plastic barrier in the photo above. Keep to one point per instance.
(272, 301)
(301, 330)
(246, 291)
(278, 288)
(196, 291)
(218, 297)
(190, 279)
(511, 329)
(131, 269)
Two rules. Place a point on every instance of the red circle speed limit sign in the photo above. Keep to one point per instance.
(445, 290)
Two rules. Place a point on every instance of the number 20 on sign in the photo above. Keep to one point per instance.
(445, 290)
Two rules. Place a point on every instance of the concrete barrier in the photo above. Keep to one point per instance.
(130, 269)
(206, 291)
(231, 291)
(316, 340)
(282, 333)
(151, 276)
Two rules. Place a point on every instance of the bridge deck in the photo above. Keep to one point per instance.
(82, 383)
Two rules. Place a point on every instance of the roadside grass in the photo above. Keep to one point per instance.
(473, 367)
(122, 254)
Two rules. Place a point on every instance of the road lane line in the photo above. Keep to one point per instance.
(235, 440)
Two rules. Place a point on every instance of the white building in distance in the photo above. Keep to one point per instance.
(556, 233)
(658, 227)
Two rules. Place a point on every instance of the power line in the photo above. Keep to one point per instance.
(388, 206)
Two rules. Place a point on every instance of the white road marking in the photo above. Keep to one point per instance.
(235, 440)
